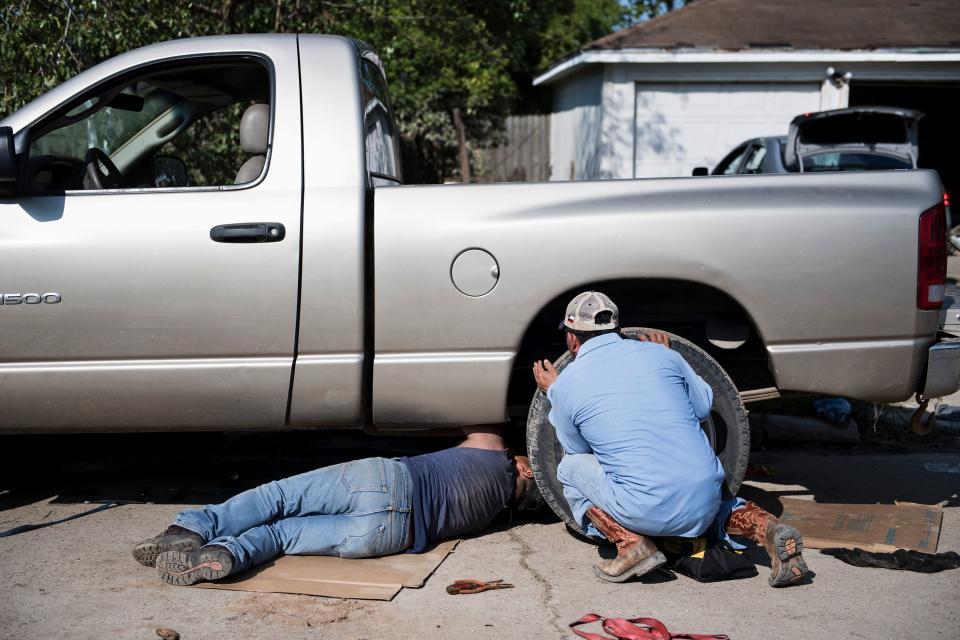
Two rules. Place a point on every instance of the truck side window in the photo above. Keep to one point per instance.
(166, 126)
(381, 141)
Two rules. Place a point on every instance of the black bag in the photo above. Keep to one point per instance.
(706, 561)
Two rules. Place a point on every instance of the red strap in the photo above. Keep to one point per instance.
(624, 629)
(587, 619)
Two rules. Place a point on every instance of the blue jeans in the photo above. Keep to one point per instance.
(357, 509)
(582, 478)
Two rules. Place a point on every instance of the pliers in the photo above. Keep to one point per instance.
(475, 586)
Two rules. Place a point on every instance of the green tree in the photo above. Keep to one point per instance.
(476, 56)
(591, 19)
(640, 10)
(588, 20)
(439, 56)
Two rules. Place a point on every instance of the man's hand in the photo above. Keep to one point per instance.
(545, 374)
(655, 336)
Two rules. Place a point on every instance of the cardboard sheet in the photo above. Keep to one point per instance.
(366, 578)
(872, 527)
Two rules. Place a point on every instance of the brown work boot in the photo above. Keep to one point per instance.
(783, 543)
(184, 568)
(174, 538)
(636, 554)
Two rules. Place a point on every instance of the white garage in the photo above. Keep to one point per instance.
(683, 89)
(679, 126)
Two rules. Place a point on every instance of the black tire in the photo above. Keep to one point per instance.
(727, 429)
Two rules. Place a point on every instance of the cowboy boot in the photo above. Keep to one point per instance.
(636, 554)
(783, 543)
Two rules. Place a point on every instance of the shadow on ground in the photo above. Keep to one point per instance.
(862, 479)
(210, 467)
(174, 468)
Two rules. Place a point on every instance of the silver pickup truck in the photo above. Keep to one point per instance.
(302, 285)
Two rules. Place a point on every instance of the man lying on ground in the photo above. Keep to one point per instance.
(636, 461)
(359, 509)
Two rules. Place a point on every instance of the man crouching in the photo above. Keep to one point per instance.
(636, 461)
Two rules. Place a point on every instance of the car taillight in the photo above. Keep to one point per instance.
(932, 258)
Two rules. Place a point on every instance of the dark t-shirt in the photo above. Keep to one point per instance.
(457, 492)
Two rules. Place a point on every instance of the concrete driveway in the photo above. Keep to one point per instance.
(78, 580)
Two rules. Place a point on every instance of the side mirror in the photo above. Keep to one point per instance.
(701, 171)
(169, 171)
(8, 163)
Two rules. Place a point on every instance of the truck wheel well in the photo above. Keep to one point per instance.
(706, 316)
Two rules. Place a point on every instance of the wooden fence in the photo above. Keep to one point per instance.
(523, 157)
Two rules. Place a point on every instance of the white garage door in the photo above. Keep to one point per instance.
(682, 126)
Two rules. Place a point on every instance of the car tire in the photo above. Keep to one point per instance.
(727, 429)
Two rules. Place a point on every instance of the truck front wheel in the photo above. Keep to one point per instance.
(727, 428)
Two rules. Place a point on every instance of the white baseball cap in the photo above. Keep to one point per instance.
(588, 312)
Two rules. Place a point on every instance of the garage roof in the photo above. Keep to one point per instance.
(810, 24)
(777, 31)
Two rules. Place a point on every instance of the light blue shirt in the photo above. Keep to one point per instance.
(637, 407)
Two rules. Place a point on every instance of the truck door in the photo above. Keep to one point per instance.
(149, 274)
(349, 145)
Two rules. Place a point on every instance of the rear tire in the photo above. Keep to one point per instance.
(727, 429)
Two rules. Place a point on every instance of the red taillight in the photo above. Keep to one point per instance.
(946, 198)
(932, 258)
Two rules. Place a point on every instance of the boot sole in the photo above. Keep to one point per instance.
(177, 568)
(643, 567)
(146, 552)
(793, 568)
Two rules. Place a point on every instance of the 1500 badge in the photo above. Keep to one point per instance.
(9, 299)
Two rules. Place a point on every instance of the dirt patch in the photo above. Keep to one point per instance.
(293, 610)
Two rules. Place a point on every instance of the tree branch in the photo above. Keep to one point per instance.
(66, 31)
(228, 11)
(207, 10)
